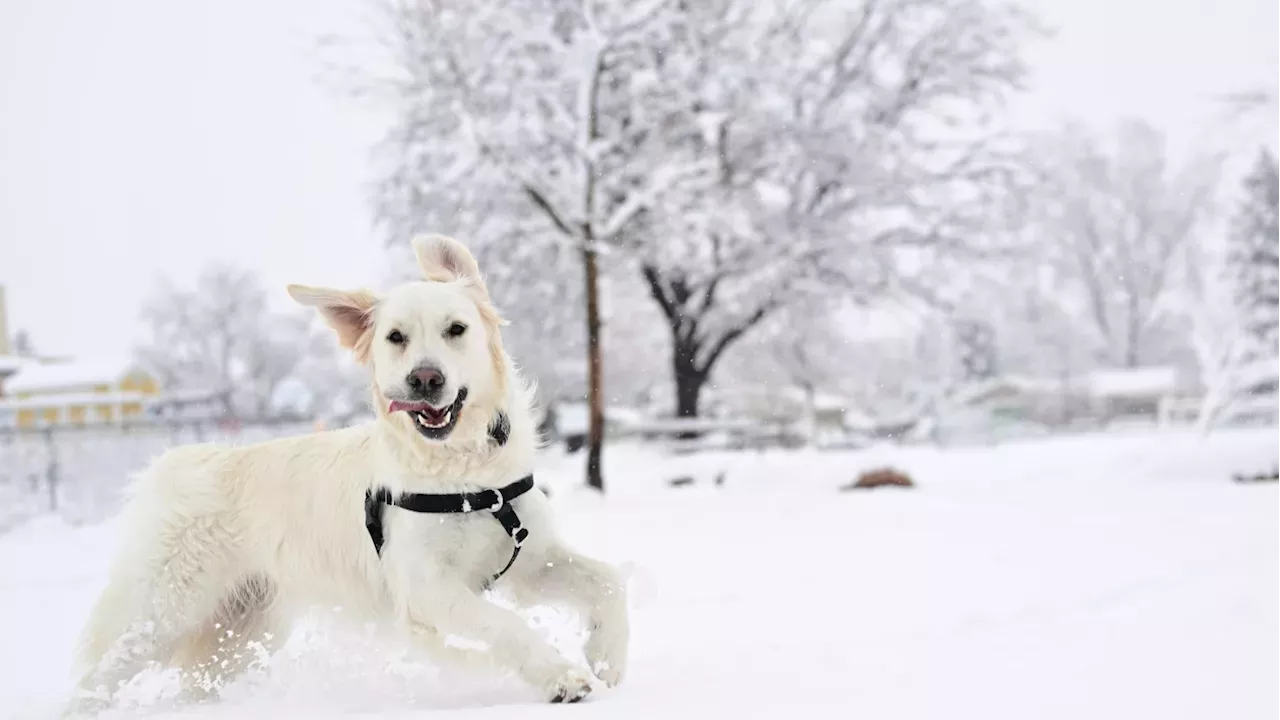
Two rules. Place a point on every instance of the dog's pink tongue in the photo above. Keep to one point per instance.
(398, 405)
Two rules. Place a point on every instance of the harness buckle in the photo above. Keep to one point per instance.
(497, 505)
(519, 534)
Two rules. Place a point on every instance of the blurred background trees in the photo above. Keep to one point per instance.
(680, 204)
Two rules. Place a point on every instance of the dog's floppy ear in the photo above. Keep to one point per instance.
(443, 259)
(349, 313)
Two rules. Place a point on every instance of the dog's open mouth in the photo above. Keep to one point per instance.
(434, 423)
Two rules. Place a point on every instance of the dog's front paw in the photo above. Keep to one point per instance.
(607, 656)
(571, 687)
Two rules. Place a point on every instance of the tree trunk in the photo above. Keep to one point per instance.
(595, 379)
(689, 381)
(595, 367)
(688, 389)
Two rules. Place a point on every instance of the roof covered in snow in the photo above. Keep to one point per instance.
(76, 375)
(59, 400)
(1127, 382)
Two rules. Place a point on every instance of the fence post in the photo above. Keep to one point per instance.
(51, 471)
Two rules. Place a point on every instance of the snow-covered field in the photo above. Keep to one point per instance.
(1120, 576)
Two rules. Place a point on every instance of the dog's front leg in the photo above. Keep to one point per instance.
(444, 603)
(594, 590)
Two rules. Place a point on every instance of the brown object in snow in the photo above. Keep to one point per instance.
(880, 477)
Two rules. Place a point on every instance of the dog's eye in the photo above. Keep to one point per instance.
(395, 337)
(456, 330)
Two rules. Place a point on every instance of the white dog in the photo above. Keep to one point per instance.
(225, 546)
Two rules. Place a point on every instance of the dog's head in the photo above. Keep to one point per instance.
(434, 346)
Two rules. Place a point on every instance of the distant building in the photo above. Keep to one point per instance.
(79, 394)
(1096, 397)
(43, 392)
(76, 393)
(1132, 392)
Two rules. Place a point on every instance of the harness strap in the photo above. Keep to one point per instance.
(511, 523)
(493, 500)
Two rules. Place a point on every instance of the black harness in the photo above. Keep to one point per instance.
(492, 500)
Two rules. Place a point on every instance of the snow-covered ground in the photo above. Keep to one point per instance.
(1094, 577)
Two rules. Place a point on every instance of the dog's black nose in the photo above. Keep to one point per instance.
(425, 380)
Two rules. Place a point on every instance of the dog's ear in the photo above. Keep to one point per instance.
(349, 313)
(443, 259)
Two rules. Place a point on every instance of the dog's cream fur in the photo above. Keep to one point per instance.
(223, 547)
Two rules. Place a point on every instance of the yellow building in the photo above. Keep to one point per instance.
(76, 393)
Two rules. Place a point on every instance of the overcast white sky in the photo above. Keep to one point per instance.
(144, 138)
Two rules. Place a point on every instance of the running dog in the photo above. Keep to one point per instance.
(224, 547)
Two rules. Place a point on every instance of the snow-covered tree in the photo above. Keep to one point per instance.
(220, 336)
(1253, 258)
(1233, 306)
(737, 154)
(825, 122)
(1114, 218)
(1215, 332)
